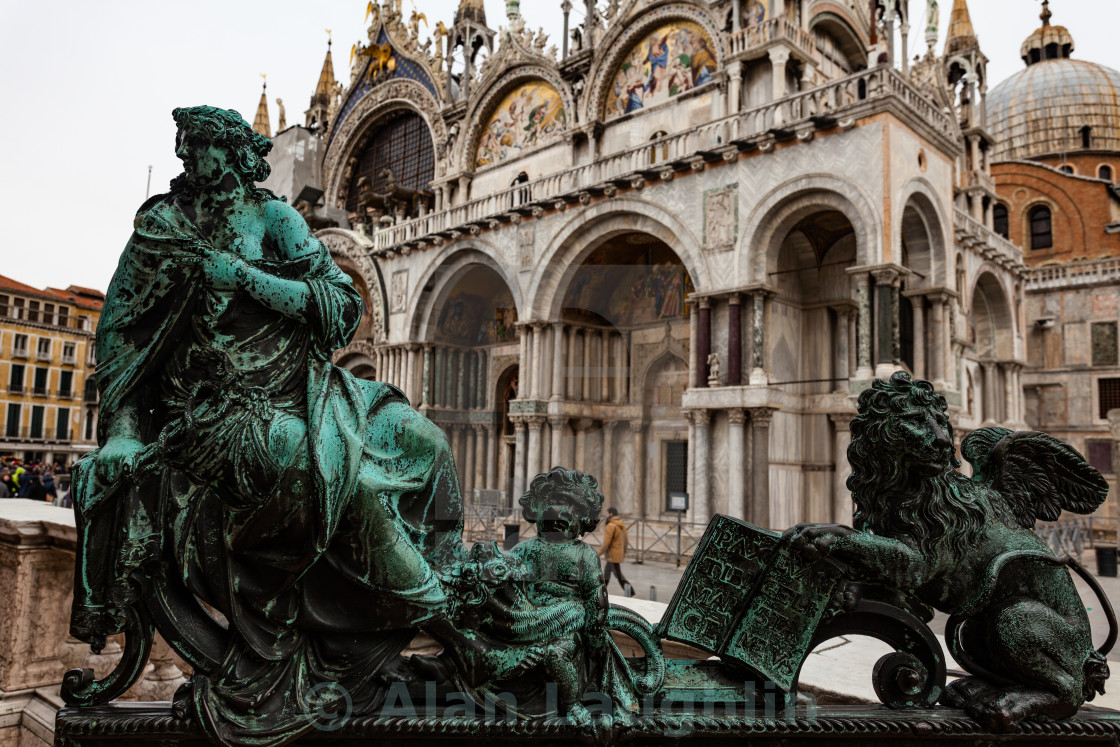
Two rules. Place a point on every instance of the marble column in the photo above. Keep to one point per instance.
(737, 462)
(585, 365)
(735, 82)
(556, 422)
(581, 427)
(461, 373)
(483, 379)
(693, 342)
(886, 285)
(547, 361)
(760, 466)
(937, 341)
(637, 431)
(426, 379)
(703, 341)
(841, 496)
(606, 472)
(523, 361)
(559, 361)
(573, 385)
(736, 17)
(468, 462)
(480, 456)
(1008, 372)
(451, 377)
(759, 376)
(701, 468)
(536, 349)
(734, 341)
(604, 366)
(456, 435)
(779, 57)
(519, 430)
(495, 435)
(624, 372)
(415, 363)
(533, 461)
(919, 337)
(843, 366)
(471, 375)
(864, 372)
(439, 387)
(990, 408)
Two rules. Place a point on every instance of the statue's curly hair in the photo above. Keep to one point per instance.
(563, 495)
(227, 128)
(891, 498)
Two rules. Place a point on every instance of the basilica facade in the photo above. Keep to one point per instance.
(671, 248)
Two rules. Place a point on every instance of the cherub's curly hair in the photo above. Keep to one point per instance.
(566, 495)
(226, 128)
(889, 499)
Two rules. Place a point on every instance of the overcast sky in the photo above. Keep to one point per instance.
(88, 90)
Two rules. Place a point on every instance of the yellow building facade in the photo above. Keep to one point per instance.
(48, 395)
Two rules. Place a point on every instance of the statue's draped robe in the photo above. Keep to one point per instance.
(280, 546)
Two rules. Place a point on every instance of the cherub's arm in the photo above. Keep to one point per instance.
(881, 560)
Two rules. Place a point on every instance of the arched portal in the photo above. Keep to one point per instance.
(919, 245)
(993, 333)
(469, 337)
(621, 308)
(811, 331)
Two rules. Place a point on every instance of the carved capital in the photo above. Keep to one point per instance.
(536, 422)
(557, 421)
(637, 426)
(700, 418)
(584, 424)
(842, 420)
(761, 416)
(737, 416)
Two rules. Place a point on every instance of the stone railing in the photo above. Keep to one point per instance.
(37, 542)
(759, 35)
(1074, 274)
(984, 241)
(824, 105)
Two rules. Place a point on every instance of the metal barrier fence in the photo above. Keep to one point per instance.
(1075, 534)
(649, 539)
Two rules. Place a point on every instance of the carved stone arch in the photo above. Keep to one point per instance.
(621, 38)
(352, 248)
(588, 228)
(920, 195)
(647, 357)
(440, 277)
(835, 20)
(776, 214)
(990, 312)
(359, 357)
(399, 93)
(504, 79)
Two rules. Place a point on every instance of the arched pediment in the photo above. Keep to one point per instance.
(654, 57)
(378, 102)
(384, 61)
(527, 107)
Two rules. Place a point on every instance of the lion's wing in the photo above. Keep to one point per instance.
(1039, 476)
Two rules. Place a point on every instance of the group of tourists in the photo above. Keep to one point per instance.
(35, 480)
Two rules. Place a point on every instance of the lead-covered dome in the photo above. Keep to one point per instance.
(1044, 109)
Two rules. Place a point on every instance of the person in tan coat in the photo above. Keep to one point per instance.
(615, 543)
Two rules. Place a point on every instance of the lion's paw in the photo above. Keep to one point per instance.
(959, 693)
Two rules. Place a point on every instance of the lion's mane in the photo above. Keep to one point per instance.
(891, 499)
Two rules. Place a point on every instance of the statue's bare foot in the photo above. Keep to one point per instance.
(959, 693)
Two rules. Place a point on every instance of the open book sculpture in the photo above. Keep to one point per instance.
(289, 529)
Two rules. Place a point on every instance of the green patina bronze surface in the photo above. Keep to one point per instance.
(320, 515)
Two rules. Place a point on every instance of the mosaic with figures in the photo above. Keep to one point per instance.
(530, 115)
(675, 58)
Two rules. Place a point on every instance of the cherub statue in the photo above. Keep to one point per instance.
(965, 546)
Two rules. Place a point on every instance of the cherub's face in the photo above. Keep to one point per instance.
(205, 163)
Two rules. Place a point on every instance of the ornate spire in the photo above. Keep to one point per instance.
(471, 10)
(326, 76)
(260, 122)
(1046, 14)
(961, 33)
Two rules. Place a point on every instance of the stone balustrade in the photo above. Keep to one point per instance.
(977, 237)
(1074, 274)
(837, 102)
(37, 542)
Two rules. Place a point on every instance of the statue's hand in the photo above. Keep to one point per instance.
(116, 459)
(224, 270)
